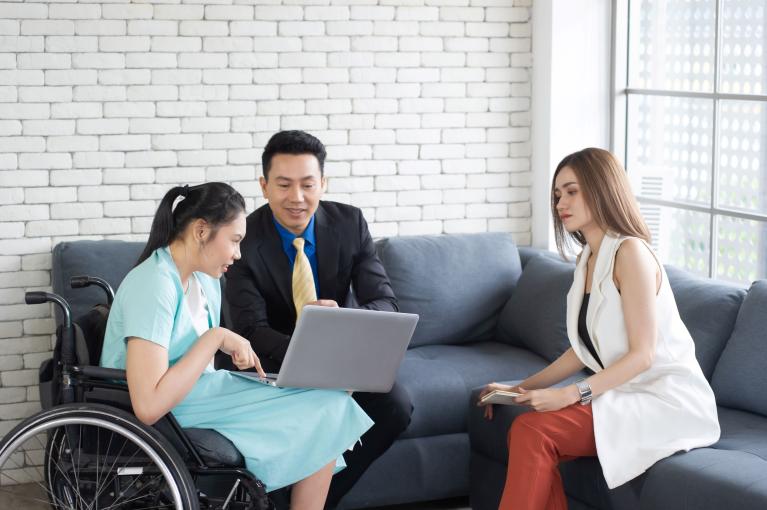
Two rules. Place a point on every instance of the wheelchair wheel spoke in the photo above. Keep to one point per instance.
(155, 507)
(15, 495)
(74, 487)
(95, 503)
(56, 461)
(79, 458)
(37, 468)
(136, 496)
(75, 466)
(116, 471)
(21, 483)
(102, 474)
(63, 473)
(109, 481)
(91, 457)
(125, 491)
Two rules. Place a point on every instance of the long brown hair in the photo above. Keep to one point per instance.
(607, 194)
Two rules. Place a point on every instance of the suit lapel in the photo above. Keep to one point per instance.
(274, 259)
(328, 254)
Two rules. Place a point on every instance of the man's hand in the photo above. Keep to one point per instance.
(241, 352)
(324, 302)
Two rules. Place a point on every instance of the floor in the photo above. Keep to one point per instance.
(21, 497)
(444, 504)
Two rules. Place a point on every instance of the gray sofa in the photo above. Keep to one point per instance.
(485, 319)
(728, 325)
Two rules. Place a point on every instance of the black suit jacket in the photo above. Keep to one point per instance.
(259, 292)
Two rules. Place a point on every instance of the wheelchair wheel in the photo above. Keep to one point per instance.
(76, 456)
(232, 492)
(253, 496)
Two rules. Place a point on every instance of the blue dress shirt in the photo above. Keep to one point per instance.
(310, 248)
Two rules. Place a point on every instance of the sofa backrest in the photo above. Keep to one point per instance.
(740, 376)
(708, 308)
(535, 315)
(107, 259)
(456, 283)
(527, 253)
(483, 269)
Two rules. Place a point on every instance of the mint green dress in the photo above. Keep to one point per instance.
(284, 434)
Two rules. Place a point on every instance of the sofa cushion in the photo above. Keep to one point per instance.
(456, 283)
(742, 431)
(708, 309)
(412, 470)
(584, 482)
(705, 479)
(488, 437)
(740, 378)
(439, 380)
(107, 259)
(535, 315)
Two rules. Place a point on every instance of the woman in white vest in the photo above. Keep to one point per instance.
(647, 398)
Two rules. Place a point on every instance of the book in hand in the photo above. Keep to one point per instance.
(500, 397)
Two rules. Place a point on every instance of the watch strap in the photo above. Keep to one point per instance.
(585, 390)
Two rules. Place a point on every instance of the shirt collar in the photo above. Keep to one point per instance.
(307, 234)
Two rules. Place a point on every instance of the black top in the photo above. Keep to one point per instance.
(583, 332)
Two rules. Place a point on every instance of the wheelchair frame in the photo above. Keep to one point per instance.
(78, 381)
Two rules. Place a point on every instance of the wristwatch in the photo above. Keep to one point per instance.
(585, 390)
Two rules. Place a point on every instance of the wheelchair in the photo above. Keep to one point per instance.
(87, 451)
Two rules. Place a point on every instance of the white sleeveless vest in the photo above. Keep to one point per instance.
(668, 408)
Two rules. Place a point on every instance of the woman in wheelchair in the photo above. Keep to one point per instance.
(163, 329)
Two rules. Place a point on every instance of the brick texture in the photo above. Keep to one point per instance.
(424, 110)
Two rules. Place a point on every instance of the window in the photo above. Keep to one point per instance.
(691, 126)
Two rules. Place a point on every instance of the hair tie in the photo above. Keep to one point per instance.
(180, 198)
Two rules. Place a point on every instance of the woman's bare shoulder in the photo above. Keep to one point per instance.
(634, 258)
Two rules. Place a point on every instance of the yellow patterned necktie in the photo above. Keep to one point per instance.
(303, 280)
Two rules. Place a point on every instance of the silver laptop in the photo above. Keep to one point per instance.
(344, 348)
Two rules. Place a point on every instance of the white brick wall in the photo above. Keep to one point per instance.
(423, 105)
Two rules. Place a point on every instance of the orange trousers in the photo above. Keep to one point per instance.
(538, 442)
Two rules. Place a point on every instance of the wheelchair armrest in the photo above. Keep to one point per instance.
(103, 372)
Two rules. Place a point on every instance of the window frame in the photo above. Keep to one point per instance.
(619, 122)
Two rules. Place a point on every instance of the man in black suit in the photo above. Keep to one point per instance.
(261, 287)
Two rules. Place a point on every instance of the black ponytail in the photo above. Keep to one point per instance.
(215, 202)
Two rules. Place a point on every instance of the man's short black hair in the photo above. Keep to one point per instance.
(292, 142)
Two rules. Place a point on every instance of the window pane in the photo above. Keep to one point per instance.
(672, 44)
(743, 155)
(743, 39)
(669, 147)
(741, 246)
(680, 237)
